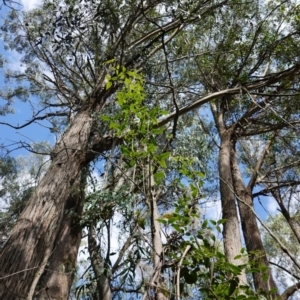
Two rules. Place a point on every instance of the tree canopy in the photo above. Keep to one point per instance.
(160, 109)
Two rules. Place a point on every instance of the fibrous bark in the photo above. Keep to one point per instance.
(58, 276)
(32, 242)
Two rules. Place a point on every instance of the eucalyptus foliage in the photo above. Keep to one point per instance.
(130, 82)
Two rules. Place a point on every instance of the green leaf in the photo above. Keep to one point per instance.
(221, 221)
(164, 112)
(177, 228)
(173, 220)
(108, 85)
(165, 155)
(113, 125)
(110, 61)
(158, 177)
(105, 118)
(162, 163)
(132, 108)
(157, 131)
(151, 148)
(233, 285)
(163, 221)
(194, 190)
(205, 223)
(234, 269)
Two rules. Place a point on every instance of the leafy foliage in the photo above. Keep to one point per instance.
(238, 60)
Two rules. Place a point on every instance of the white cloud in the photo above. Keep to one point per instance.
(212, 210)
(30, 4)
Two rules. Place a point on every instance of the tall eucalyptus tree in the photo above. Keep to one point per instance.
(241, 57)
(70, 79)
(260, 51)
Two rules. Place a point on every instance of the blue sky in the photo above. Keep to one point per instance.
(37, 132)
(34, 132)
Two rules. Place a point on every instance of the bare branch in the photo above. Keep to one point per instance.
(55, 114)
(290, 291)
(260, 162)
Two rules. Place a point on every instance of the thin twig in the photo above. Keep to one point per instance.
(188, 247)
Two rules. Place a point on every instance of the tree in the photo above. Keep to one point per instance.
(146, 168)
(79, 145)
(191, 54)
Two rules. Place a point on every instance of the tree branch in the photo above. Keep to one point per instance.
(290, 291)
(260, 162)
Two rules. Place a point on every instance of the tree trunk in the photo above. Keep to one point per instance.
(103, 283)
(158, 253)
(30, 245)
(231, 229)
(58, 277)
(251, 232)
(156, 281)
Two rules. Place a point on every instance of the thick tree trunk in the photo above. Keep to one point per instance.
(31, 243)
(231, 229)
(57, 279)
(251, 232)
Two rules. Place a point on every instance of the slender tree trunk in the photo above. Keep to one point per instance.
(251, 232)
(31, 243)
(158, 254)
(158, 251)
(232, 239)
(103, 284)
(231, 229)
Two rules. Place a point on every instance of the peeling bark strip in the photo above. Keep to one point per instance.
(30, 245)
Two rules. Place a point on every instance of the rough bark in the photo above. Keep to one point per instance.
(231, 229)
(59, 274)
(31, 243)
(251, 232)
